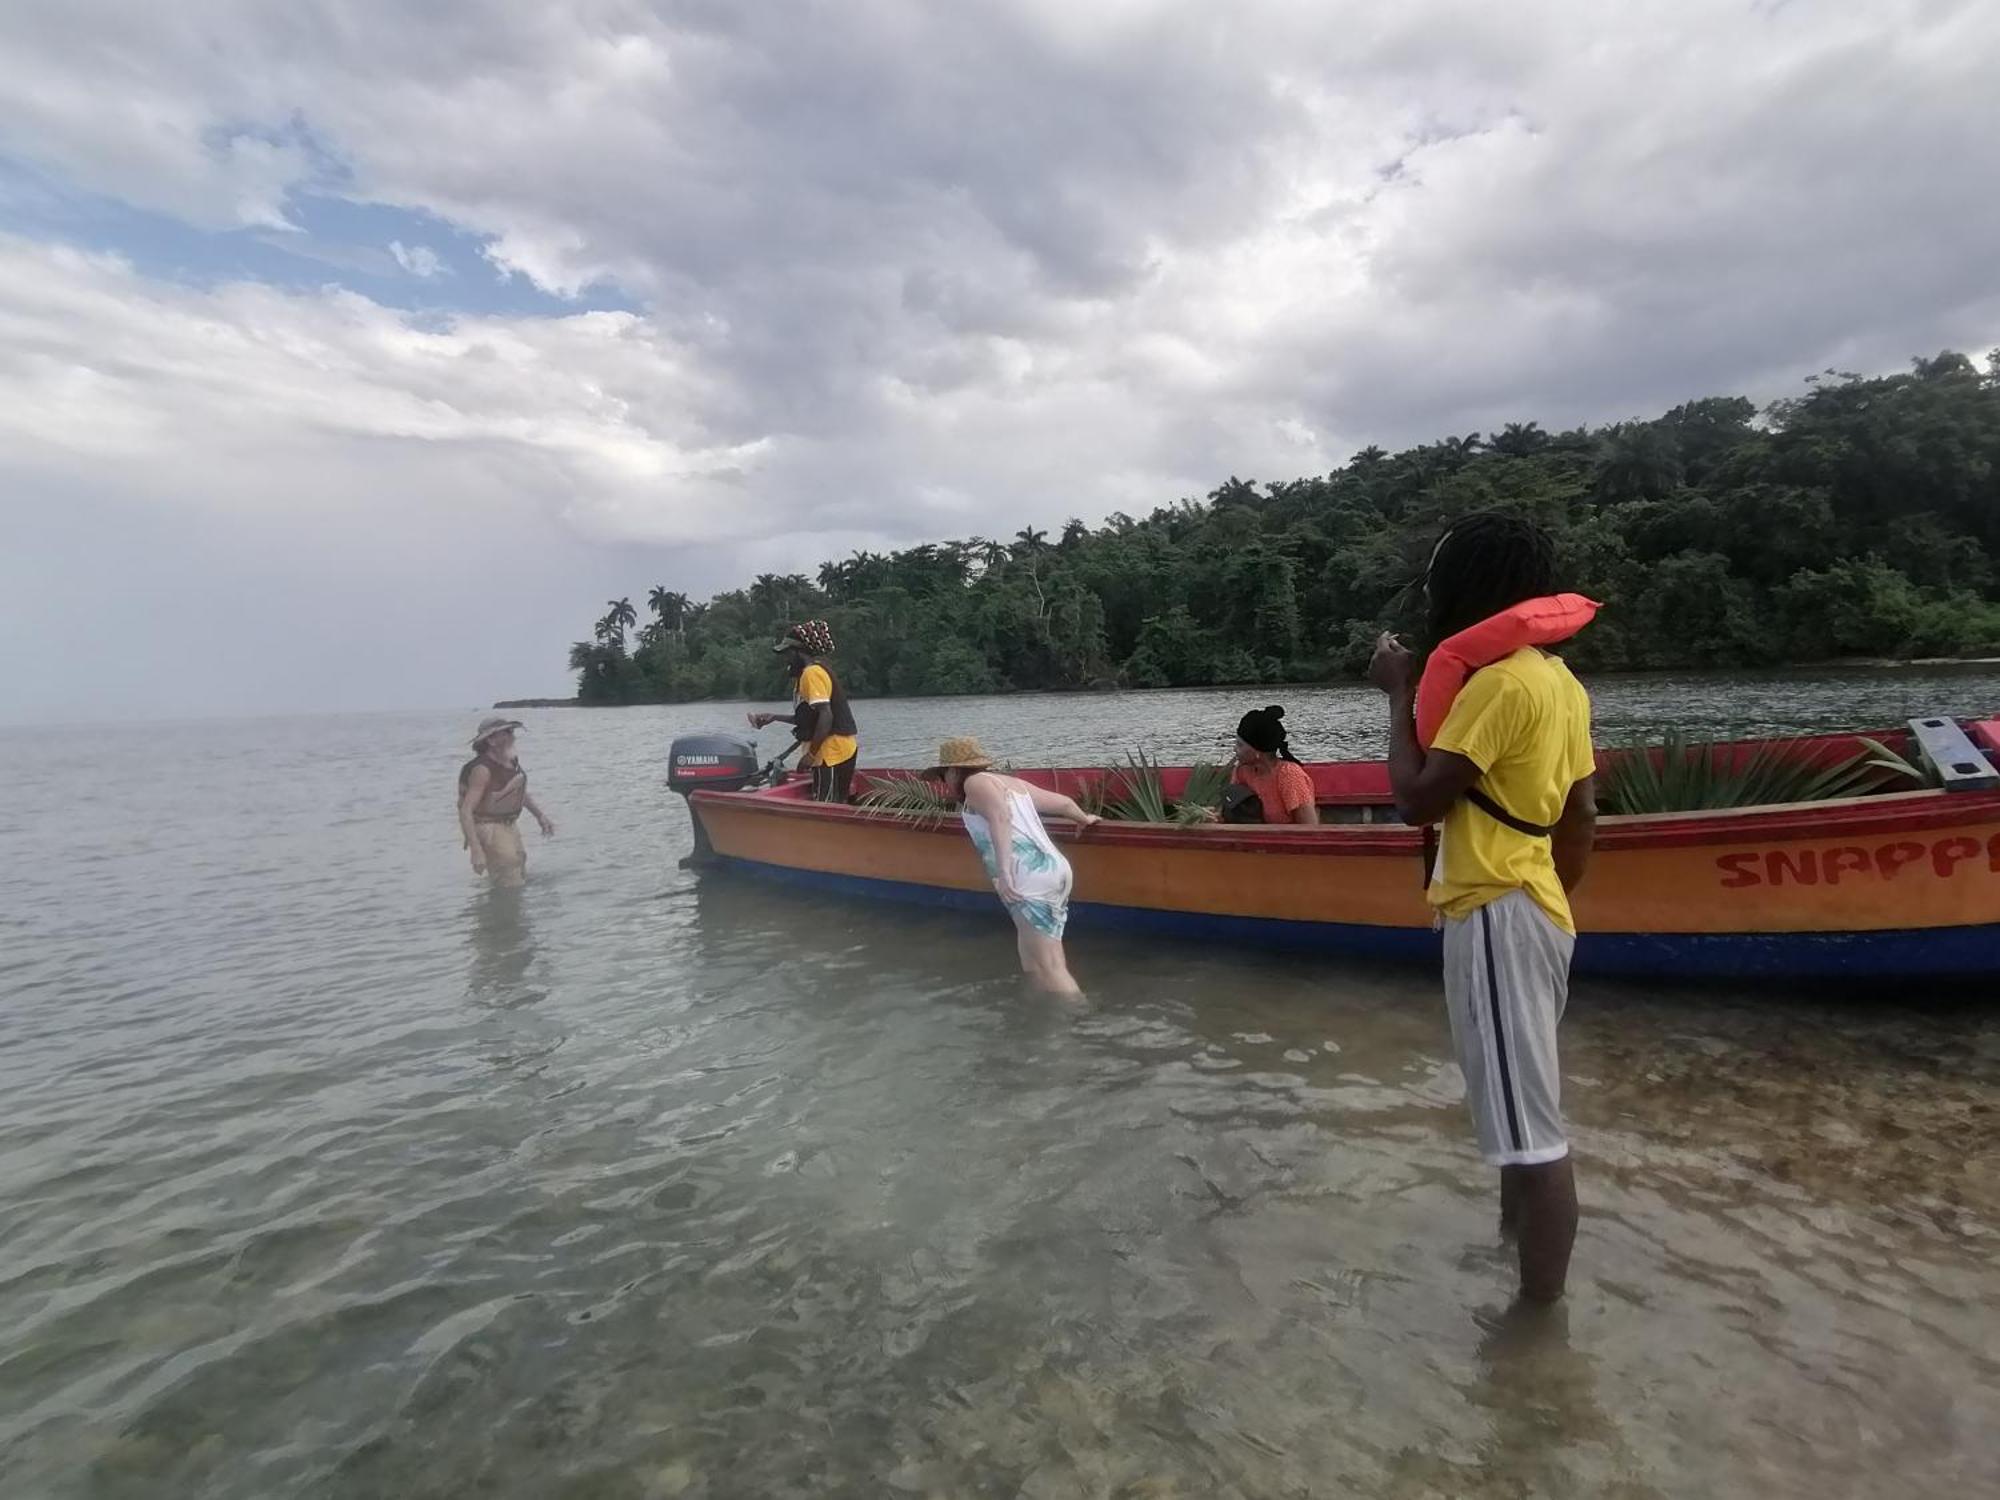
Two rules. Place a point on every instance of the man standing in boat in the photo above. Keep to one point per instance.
(1508, 775)
(820, 713)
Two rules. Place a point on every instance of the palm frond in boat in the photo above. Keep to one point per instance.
(1682, 775)
(915, 797)
(1202, 796)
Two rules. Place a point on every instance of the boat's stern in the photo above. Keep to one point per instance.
(714, 762)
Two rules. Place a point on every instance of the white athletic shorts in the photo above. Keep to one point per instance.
(1506, 980)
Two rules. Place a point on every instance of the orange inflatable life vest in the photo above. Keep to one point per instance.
(1532, 622)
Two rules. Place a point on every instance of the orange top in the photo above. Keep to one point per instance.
(1283, 789)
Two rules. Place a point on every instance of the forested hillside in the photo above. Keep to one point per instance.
(1862, 518)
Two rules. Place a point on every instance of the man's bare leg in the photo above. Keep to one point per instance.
(1544, 1203)
(1510, 1202)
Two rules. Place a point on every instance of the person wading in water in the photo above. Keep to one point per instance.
(1509, 775)
(1003, 817)
(492, 791)
(820, 714)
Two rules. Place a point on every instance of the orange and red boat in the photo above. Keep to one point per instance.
(1898, 883)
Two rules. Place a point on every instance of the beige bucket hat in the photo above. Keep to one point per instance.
(490, 727)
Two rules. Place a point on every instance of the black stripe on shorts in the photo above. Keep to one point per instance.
(1499, 1030)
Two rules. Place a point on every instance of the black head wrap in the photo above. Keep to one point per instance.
(1264, 729)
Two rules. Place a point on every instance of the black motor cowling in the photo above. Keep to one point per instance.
(718, 762)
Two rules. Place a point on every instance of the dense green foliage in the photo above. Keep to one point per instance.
(1862, 518)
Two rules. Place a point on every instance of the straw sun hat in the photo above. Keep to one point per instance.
(961, 754)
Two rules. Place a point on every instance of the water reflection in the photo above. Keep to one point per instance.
(1540, 1393)
(501, 971)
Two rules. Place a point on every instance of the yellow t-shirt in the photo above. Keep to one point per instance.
(1525, 722)
(815, 688)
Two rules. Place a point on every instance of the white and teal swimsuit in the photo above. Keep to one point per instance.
(1042, 877)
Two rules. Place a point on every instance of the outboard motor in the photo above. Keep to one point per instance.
(720, 762)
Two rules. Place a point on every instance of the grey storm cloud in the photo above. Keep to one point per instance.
(901, 270)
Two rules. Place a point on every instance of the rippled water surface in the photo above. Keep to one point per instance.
(325, 1172)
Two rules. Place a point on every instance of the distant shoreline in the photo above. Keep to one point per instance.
(1844, 664)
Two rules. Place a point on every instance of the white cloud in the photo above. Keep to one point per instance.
(419, 260)
(101, 368)
(912, 272)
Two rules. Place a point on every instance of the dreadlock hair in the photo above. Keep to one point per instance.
(1485, 563)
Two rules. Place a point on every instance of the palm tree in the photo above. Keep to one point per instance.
(1027, 539)
(768, 596)
(581, 655)
(621, 612)
(1519, 440)
(668, 607)
(1637, 462)
(1234, 492)
(1368, 458)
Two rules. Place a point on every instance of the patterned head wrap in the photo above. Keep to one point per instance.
(811, 636)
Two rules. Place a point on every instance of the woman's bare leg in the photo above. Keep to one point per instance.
(1042, 960)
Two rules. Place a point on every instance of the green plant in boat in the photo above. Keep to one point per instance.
(1203, 793)
(908, 797)
(1137, 793)
(1684, 775)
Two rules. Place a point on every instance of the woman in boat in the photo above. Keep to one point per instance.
(492, 792)
(1267, 769)
(1508, 773)
(1003, 816)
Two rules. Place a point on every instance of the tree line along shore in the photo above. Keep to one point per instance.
(1860, 519)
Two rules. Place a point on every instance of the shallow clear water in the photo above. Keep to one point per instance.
(325, 1172)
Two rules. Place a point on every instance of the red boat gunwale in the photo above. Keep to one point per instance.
(1366, 784)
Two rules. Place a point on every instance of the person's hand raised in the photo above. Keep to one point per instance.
(1392, 665)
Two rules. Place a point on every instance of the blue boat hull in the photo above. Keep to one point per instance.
(1944, 951)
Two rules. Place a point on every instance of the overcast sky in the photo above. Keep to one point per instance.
(352, 352)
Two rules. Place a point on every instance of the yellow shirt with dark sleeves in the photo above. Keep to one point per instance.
(815, 688)
(1525, 722)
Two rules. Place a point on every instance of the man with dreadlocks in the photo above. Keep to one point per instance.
(820, 713)
(1508, 775)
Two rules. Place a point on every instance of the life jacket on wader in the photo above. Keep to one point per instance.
(506, 789)
(1533, 622)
